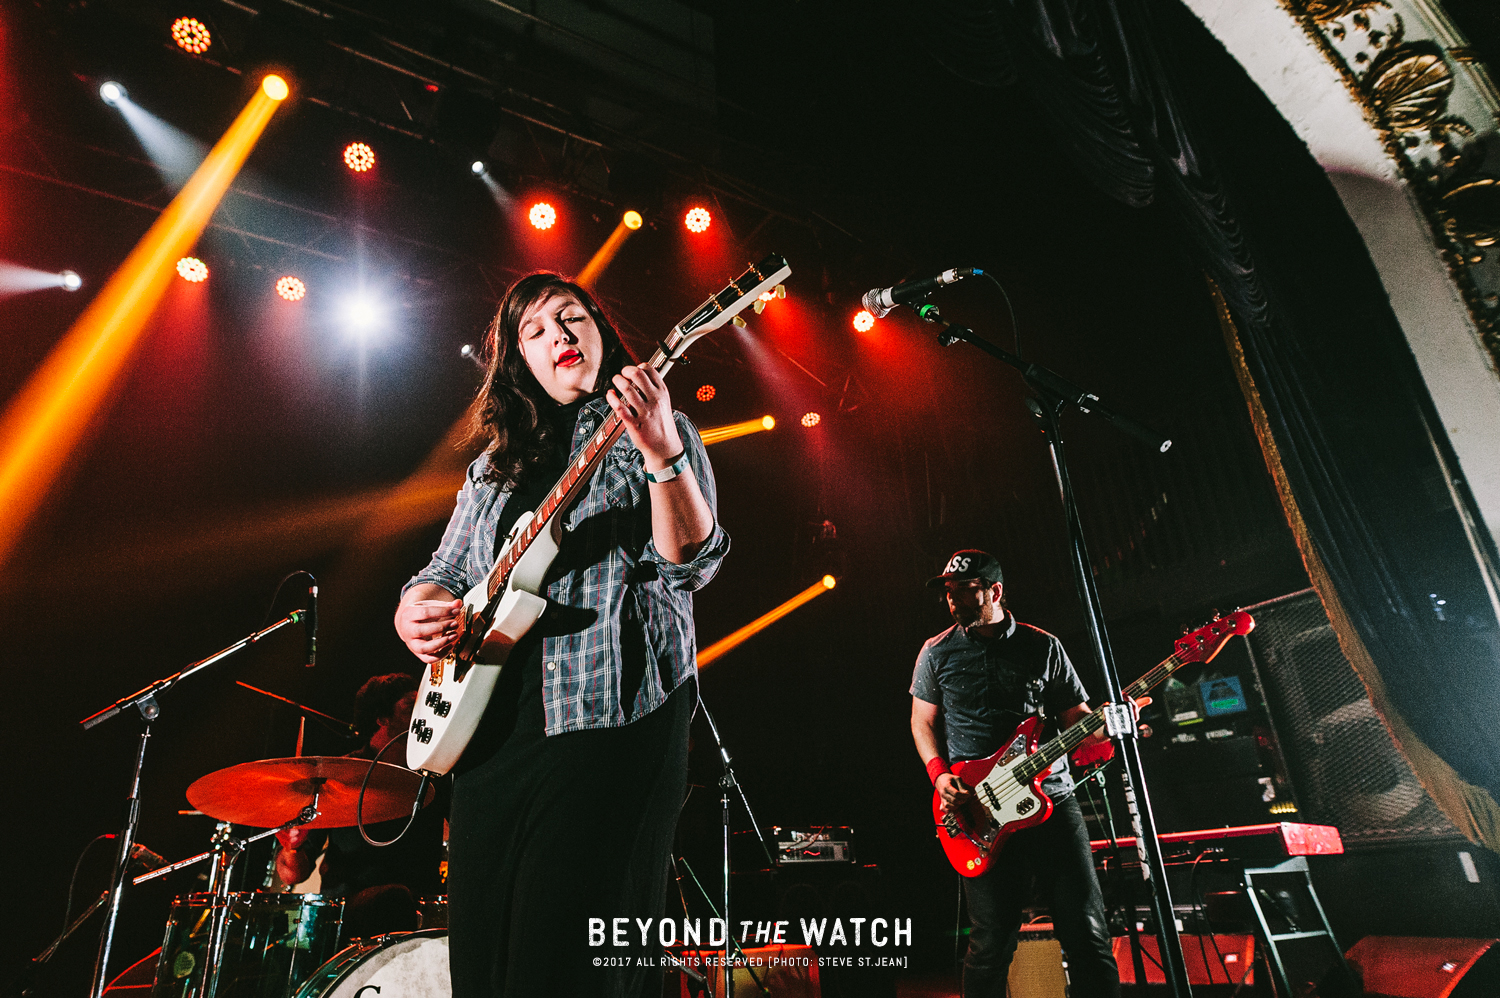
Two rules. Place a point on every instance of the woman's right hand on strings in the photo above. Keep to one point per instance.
(428, 626)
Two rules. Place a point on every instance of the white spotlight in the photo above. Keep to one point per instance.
(70, 280)
(363, 315)
(478, 168)
(112, 93)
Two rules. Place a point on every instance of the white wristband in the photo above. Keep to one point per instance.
(670, 472)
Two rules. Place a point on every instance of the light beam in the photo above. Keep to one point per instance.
(724, 645)
(46, 419)
(606, 253)
(719, 434)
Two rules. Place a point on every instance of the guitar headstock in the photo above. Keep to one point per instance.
(738, 295)
(1207, 641)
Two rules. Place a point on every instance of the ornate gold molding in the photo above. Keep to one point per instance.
(1437, 111)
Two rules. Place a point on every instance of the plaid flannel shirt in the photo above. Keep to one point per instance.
(618, 636)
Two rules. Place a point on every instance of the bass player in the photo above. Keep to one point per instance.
(565, 800)
(975, 682)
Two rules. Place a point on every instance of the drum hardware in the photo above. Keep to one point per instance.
(327, 720)
(146, 704)
(324, 792)
(267, 945)
(225, 849)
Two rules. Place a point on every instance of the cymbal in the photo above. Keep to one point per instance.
(272, 792)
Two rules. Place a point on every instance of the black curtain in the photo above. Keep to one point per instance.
(1151, 109)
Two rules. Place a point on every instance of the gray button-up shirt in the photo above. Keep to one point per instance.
(985, 687)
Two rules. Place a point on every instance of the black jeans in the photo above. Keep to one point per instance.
(1055, 856)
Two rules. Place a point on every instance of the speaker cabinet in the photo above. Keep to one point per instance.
(1423, 967)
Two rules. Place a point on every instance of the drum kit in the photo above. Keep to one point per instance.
(260, 944)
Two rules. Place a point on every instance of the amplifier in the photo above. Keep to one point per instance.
(826, 844)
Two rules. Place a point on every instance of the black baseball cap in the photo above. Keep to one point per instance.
(970, 563)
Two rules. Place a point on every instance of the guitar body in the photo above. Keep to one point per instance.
(452, 697)
(972, 835)
(1008, 785)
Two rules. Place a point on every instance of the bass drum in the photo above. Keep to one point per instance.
(404, 964)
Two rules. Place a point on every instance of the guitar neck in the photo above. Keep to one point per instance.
(1049, 752)
(580, 470)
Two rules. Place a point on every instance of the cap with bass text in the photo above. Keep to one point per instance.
(970, 564)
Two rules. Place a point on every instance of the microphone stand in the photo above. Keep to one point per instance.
(1054, 393)
(728, 782)
(145, 703)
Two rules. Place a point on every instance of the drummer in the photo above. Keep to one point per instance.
(382, 884)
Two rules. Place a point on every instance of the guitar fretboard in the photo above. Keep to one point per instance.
(1049, 752)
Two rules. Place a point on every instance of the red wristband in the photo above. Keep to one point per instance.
(936, 767)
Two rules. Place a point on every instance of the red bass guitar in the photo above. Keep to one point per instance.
(1008, 785)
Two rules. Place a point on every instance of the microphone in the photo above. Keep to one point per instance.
(142, 858)
(310, 625)
(879, 301)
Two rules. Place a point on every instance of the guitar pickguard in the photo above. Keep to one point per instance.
(1015, 750)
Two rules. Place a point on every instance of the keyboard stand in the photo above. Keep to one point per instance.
(1294, 867)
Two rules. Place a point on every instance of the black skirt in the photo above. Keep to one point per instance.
(547, 833)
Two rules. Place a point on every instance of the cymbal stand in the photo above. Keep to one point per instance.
(146, 704)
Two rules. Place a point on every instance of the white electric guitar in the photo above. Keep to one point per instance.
(500, 610)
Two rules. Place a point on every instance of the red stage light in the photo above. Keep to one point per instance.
(192, 269)
(706, 393)
(191, 35)
(543, 216)
(811, 419)
(291, 289)
(698, 220)
(863, 321)
(359, 157)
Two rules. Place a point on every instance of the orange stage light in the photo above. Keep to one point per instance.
(633, 220)
(863, 321)
(359, 157)
(291, 289)
(192, 269)
(191, 35)
(275, 87)
(543, 216)
(698, 220)
(721, 647)
(768, 422)
(811, 419)
(706, 393)
(44, 422)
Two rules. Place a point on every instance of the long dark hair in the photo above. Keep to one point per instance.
(508, 410)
